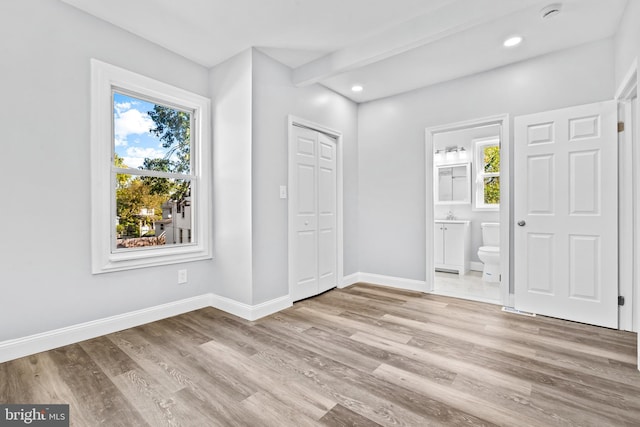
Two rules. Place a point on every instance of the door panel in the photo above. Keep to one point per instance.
(584, 183)
(540, 185)
(328, 243)
(540, 248)
(566, 200)
(584, 277)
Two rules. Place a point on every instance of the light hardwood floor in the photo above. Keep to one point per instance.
(362, 356)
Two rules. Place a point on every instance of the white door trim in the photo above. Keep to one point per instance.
(505, 198)
(297, 121)
(630, 200)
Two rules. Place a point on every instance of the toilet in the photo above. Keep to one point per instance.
(489, 253)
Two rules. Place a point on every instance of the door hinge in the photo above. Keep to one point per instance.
(620, 127)
(620, 300)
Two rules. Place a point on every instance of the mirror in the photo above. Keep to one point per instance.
(452, 184)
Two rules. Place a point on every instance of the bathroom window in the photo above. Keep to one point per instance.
(487, 165)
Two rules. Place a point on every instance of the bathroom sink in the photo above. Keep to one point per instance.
(453, 221)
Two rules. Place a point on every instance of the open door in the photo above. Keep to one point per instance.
(565, 209)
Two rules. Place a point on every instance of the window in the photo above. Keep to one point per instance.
(487, 167)
(150, 151)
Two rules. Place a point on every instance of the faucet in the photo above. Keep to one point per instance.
(450, 216)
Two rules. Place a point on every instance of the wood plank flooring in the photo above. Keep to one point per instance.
(360, 356)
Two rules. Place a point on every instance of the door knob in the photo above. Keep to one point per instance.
(521, 223)
(306, 223)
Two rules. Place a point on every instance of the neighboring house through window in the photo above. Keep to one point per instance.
(151, 156)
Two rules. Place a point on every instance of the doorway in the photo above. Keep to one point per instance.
(629, 195)
(315, 209)
(469, 188)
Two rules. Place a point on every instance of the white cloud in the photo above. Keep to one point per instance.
(129, 122)
(122, 106)
(135, 156)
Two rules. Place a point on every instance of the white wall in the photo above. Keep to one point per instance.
(627, 40)
(274, 98)
(231, 95)
(45, 272)
(391, 142)
(464, 138)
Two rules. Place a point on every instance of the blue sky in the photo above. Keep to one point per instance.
(132, 139)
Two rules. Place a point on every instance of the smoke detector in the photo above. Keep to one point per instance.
(550, 11)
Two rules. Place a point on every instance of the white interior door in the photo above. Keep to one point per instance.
(565, 209)
(314, 197)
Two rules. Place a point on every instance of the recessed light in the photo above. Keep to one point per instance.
(357, 88)
(512, 41)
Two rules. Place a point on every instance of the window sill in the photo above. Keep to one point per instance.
(150, 258)
(486, 209)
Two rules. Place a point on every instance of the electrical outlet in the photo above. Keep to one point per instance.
(182, 277)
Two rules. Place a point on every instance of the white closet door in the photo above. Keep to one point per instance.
(327, 204)
(314, 198)
(566, 231)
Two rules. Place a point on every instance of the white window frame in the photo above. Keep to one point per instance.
(478, 149)
(105, 78)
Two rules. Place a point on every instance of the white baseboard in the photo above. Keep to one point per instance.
(20, 347)
(349, 280)
(476, 266)
(269, 307)
(393, 282)
(250, 312)
(32, 344)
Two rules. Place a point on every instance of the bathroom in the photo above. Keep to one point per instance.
(466, 197)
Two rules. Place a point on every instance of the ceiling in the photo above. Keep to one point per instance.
(387, 46)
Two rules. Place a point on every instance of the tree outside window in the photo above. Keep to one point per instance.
(487, 160)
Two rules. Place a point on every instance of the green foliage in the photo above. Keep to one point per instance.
(492, 184)
(173, 127)
(131, 199)
(121, 179)
(158, 185)
(492, 159)
(492, 190)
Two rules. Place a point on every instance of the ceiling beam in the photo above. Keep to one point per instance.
(453, 17)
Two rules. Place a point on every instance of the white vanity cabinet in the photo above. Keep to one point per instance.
(451, 243)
